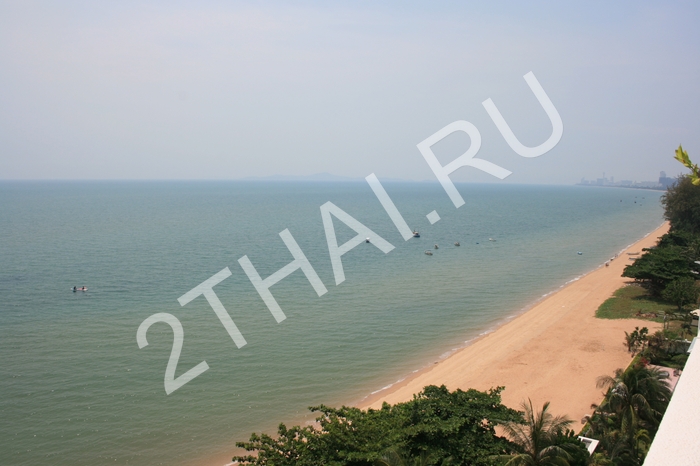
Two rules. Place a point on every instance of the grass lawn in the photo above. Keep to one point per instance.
(633, 302)
(629, 301)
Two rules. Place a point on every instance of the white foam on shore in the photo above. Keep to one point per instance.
(505, 320)
(390, 385)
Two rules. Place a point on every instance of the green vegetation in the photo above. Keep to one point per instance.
(631, 302)
(671, 259)
(629, 416)
(666, 274)
(681, 292)
(634, 302)
(682, 157)
(543, 439)
(437, 427)
(665, 348)
(682, 200)
(636, 341)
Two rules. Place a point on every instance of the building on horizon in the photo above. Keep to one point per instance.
(662, 184)
(665, 181)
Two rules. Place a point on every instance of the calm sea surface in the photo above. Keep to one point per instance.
(75, 389)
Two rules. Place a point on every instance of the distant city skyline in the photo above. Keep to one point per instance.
(237, 90)
(662, 182)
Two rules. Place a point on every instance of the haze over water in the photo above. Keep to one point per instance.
(76, 389)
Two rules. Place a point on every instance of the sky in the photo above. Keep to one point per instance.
(230, 90)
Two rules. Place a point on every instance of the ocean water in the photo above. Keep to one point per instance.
(75, 389)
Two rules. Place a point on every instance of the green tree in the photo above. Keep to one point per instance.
(636, 340)
(458, 426)
(661, 265)
(437, 426)
(682, 157)
(682, 205)
(627, 419)
(600, 459)
(623, 449)
(536, 438)
(689, 242)
(681, 292)
(570, 442)
(293, 446)
(637, 397)
(393, 458)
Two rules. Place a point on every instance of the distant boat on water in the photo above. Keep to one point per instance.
(416, 234)
(428, 252)
(82, 288)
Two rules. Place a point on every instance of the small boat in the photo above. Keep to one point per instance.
(366, 240)
(579, 253)
(436, 247)
(491, 239)
(456, 243)
(428, 252)
(82, 288)
(633, 253)
(416, 234)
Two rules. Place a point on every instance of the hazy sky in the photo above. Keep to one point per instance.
(226, 90)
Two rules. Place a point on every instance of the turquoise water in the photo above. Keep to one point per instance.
(75, 389)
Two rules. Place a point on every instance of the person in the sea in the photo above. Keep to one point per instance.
(75, 288)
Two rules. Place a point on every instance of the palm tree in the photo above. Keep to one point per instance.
(638, 396)
(625, 448)
(536, 438)
(599, 459)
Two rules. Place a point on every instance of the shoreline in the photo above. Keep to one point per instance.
(533, 353)
(504, 368)
(366, 400)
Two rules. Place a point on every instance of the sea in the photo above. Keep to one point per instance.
(77, 388)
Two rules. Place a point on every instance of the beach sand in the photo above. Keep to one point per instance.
(553, 352)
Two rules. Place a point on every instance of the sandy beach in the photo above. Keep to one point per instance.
(553, 352)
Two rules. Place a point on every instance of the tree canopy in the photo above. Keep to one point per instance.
(661, 265)
(672, 260)
(537, 439)
(631, 412)
(682, 205)
(681, 292)
(442, 427)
